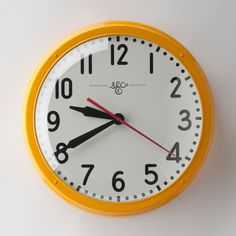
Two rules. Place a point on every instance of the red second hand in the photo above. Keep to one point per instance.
(127, 124)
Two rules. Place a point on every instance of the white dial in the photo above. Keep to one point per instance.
(150, 88)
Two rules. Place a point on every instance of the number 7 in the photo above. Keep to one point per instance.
(90, 168)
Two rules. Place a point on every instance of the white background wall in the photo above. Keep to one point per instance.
(29, 28)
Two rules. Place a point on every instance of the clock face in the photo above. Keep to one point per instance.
(144, 85)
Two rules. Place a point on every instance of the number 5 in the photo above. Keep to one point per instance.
(151, 172)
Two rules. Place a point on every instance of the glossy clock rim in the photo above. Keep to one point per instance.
(101, 30)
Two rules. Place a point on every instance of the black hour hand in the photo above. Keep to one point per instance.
(91, 112)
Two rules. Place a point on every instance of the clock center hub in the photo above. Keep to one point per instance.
(120, 116)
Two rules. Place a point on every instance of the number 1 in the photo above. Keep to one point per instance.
(151, 63)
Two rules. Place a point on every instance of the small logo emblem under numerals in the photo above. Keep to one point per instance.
(118, 87)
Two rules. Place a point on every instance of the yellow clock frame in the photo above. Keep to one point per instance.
(135, 30)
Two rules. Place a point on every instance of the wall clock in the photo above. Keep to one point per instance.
(118, 118)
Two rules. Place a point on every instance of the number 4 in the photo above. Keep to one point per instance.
(174, 153)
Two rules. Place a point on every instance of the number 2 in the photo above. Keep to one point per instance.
(174, 92)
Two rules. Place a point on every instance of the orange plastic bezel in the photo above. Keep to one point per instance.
(101, 30)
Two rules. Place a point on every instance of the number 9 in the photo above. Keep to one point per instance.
(53, 119)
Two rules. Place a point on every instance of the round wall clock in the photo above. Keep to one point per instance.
(118, 118)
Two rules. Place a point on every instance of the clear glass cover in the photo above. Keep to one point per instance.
(150, 88)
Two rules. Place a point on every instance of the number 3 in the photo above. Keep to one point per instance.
(186, 118)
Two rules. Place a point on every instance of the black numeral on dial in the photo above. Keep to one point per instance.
(61, 154)
(186, 119)
(90, 168)
(174, 93)
(53, 119)
(118, 183)
(174, 153)
(90, 65)
(148, 171)
(124, 50)
(151, 63)
(63, 89)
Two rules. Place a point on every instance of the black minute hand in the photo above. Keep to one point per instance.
(84, 137)
(91, 112)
